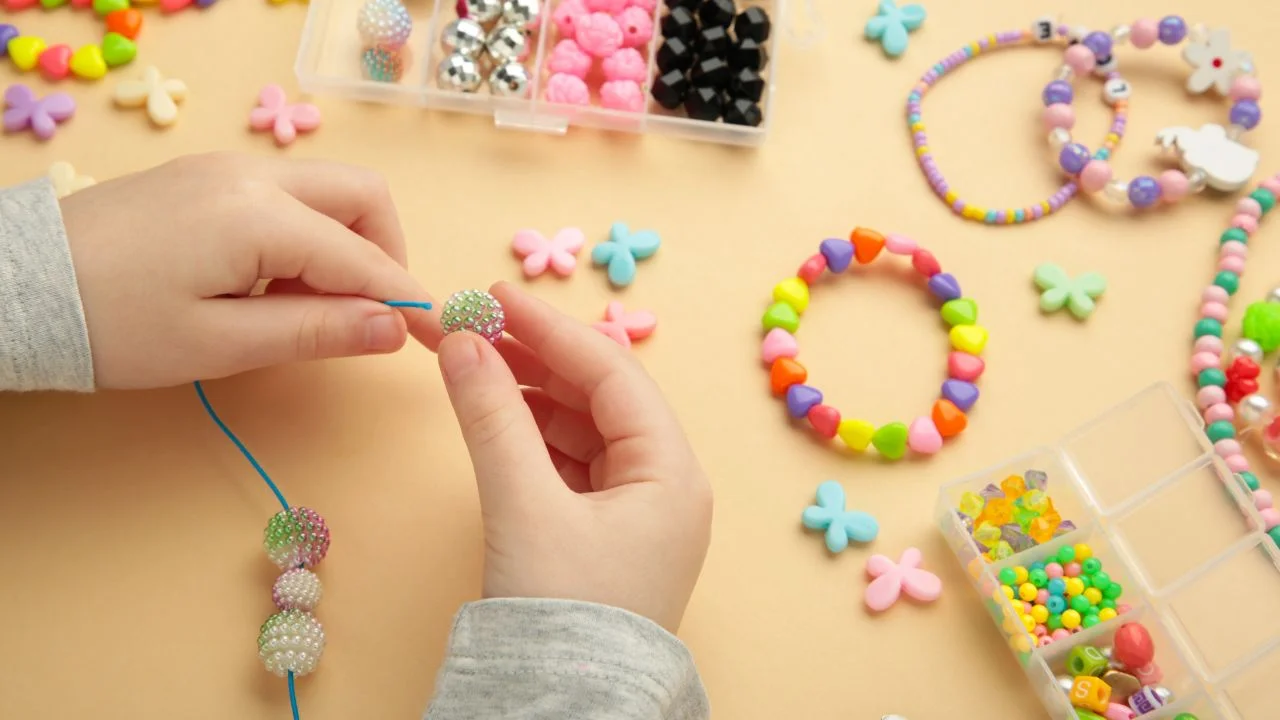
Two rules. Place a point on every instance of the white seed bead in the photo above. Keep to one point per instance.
(1120, 34)
(1059, 137)
(1117, 191)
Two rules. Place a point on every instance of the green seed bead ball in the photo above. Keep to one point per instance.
(1107, 603)
(1211, 376)
(1090, 620)
(1113, 592)
(1054, 622)
(1039, 578)
(1008, 577)
(1091, 566)
(1101, 580)
(1066, 554)
(1080, 604)
(1262, 325)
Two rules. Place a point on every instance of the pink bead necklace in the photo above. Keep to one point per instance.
(1218, 389)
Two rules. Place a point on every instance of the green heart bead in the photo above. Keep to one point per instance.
(961, 311)
(781, 315)
(118, 50)
(891, 440)
(106, 7)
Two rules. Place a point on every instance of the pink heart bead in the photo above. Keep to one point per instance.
(614, 332)
(778, 343)
(963, 366)
(923, 436)
(55, 62)
(899, 244)
(812, 268)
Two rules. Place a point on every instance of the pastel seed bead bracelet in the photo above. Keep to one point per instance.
(58, 61)
(787, 377)
(924, 156)
(1218, 391)
(1209, 156)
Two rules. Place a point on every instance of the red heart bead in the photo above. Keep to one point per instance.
(55, 62)
(925, 263)
(963, 366)
(825, 419)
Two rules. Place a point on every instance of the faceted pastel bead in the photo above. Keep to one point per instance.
(746, 83)
(680, 23)
(748, 53)
(742, 111)
(717, 12)
(675, 54)
(704, 103)
(670, 89)
(752, 23)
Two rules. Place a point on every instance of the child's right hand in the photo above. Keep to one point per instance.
(589, 489)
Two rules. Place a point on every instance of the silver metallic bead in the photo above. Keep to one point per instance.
(1274, 295)
(1120, 34)
(1058, 138)
(483, 11)
(1254, 411)
(1197, 180)
(1117, 191)
(509, 80)
(458, 72)
(507, 43)
(521, 13)
(1244, 347)
(463, 36)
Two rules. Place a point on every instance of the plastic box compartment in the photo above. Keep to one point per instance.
(328, 63)
(1171, 524)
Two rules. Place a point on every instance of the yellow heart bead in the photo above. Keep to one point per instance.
(969, 338)
(88, 63)
(25, 51)
(856, 433)
(794, 292)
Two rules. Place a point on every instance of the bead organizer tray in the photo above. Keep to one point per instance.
(1176, 529)
(328, 62)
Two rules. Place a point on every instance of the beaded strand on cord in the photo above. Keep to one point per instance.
(1218, 393)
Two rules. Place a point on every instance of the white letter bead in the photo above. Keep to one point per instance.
(1115, 90)
(1042, 29)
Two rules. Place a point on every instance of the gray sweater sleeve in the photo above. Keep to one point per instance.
(44, 343)
(528, 659)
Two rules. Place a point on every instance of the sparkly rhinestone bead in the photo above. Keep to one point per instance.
(297, 537)
(297, 589)
(463, 36)
(484, 11)
(384, 23)
(291, 641)
(704, 103)
(670, 89)
(510, 80)
(521, 13)
(507, 43)
(458, 72)
(383, 65)
(752, 23)
(474, 311)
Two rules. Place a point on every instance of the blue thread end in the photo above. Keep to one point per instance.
(293, 697)
(408, 304)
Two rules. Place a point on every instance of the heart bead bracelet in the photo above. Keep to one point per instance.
(787, 377)
(58, 61)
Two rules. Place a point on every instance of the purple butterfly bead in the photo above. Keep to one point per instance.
(22, 110)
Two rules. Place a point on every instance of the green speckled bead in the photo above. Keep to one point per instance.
(1220, 430)
(1236, 234)
(1211, 376)
(1228, 281)
(1250, 480)
(1208, 326)
(1265, 198)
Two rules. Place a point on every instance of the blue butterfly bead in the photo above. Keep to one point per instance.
(621, 251)
(841, 525)
(891, 24)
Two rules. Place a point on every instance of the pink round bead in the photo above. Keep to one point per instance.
(1214, 310)
(567, 57)
(1237, 463)
(645, 5)
(1204, 361)
(626, 64)
(1209, 343)
(1234, 247)
(1261, 499)
(1058, 115)
(567, 89)
(899, 244)
(1042, 596)
(1122, 608)
(599, 34)
(1143, 33)
(1041, 631)
(622, 95)
(1272, 184)
(1116, 711)
(1174, 185)
(605, 6)
(1072, 569)
(1053, 570)
(1245, 87)
(1230, 263)
(1270, 518)
(1227, 447)
(566, 17)
(1247, 223)
(1061, 634)
(1219, 411)
(1080, 59)
(1249, 206)
(1046, 641)
(1209, 396)
(1095, 176)
(637, 28)
(1215, 293)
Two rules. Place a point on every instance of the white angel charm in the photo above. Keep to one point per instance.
(1226, 164)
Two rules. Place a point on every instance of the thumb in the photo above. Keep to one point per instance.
(278, 329)
(506, 447)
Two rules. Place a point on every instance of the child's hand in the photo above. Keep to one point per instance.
(166, 259)
(588, 487)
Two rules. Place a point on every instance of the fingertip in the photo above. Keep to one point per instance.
(460, 354)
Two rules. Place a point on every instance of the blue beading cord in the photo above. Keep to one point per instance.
(208, 408)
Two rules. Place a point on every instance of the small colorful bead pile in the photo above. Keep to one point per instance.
(1219, 390)
(1041, 33)
(1018, 515)
(499, 34)
(600, 37)
(89, 62)
(384, 27)
(1119, 682)
(787, 377)
(1210, 156)
(711, 61)
(1069, 593)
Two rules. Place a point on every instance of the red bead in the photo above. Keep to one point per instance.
(825, 419)
(812, 269)
(1133, 646)
(1241, 380)
(925, 263)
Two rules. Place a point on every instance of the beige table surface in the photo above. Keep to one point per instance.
(132, 583)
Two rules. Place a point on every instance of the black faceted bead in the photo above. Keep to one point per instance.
(690, 5)
(717, 12)
(704, 103)
(746, 83)
(748, 54)
(670, 89)
(675, 54)
(713, 41)
(680, 23)
(742, 111)
(711, 72)
(752, 23)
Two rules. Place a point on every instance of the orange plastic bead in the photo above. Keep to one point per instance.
(949, 419)
(867, 244)
(1091, 693)
(1013, 486)
(1041, 529)
(999, 511)
(785, 373)
(127, 22)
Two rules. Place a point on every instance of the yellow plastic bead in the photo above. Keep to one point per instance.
(1021, 643)
(1093, 595)
(1106, 614)
(1009, 218)
(993, 41)
(1020, 574)
(1010, 625)
(1075, 586)
(917, 127)
(855, 433)
(1092, 693)
(1027, 592)
(1112, 139)
(922, 150)
(950, 197)
(975, 48)
(1045, 207)
(1029, 623)
(969, 338)
(1008, 591)
(1041, 614)
(1070, 619)
(1083, 552)
(794, 292)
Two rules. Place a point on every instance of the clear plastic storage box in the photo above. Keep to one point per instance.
(329, 62)
(1178, 530)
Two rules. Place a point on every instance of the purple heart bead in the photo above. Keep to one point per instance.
(962, 394)
(839, 253)
(800, 398)
(945, 286)
(7, 33)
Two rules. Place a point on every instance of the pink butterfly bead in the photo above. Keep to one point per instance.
(23, 110)
(623, 326)
(275, 113)
(892, 579)
(559, 253)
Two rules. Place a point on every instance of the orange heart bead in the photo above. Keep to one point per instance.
(785, 373)
(948, 418)
(867, 244)
(125, 22)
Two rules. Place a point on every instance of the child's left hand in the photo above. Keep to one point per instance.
(166, 260)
